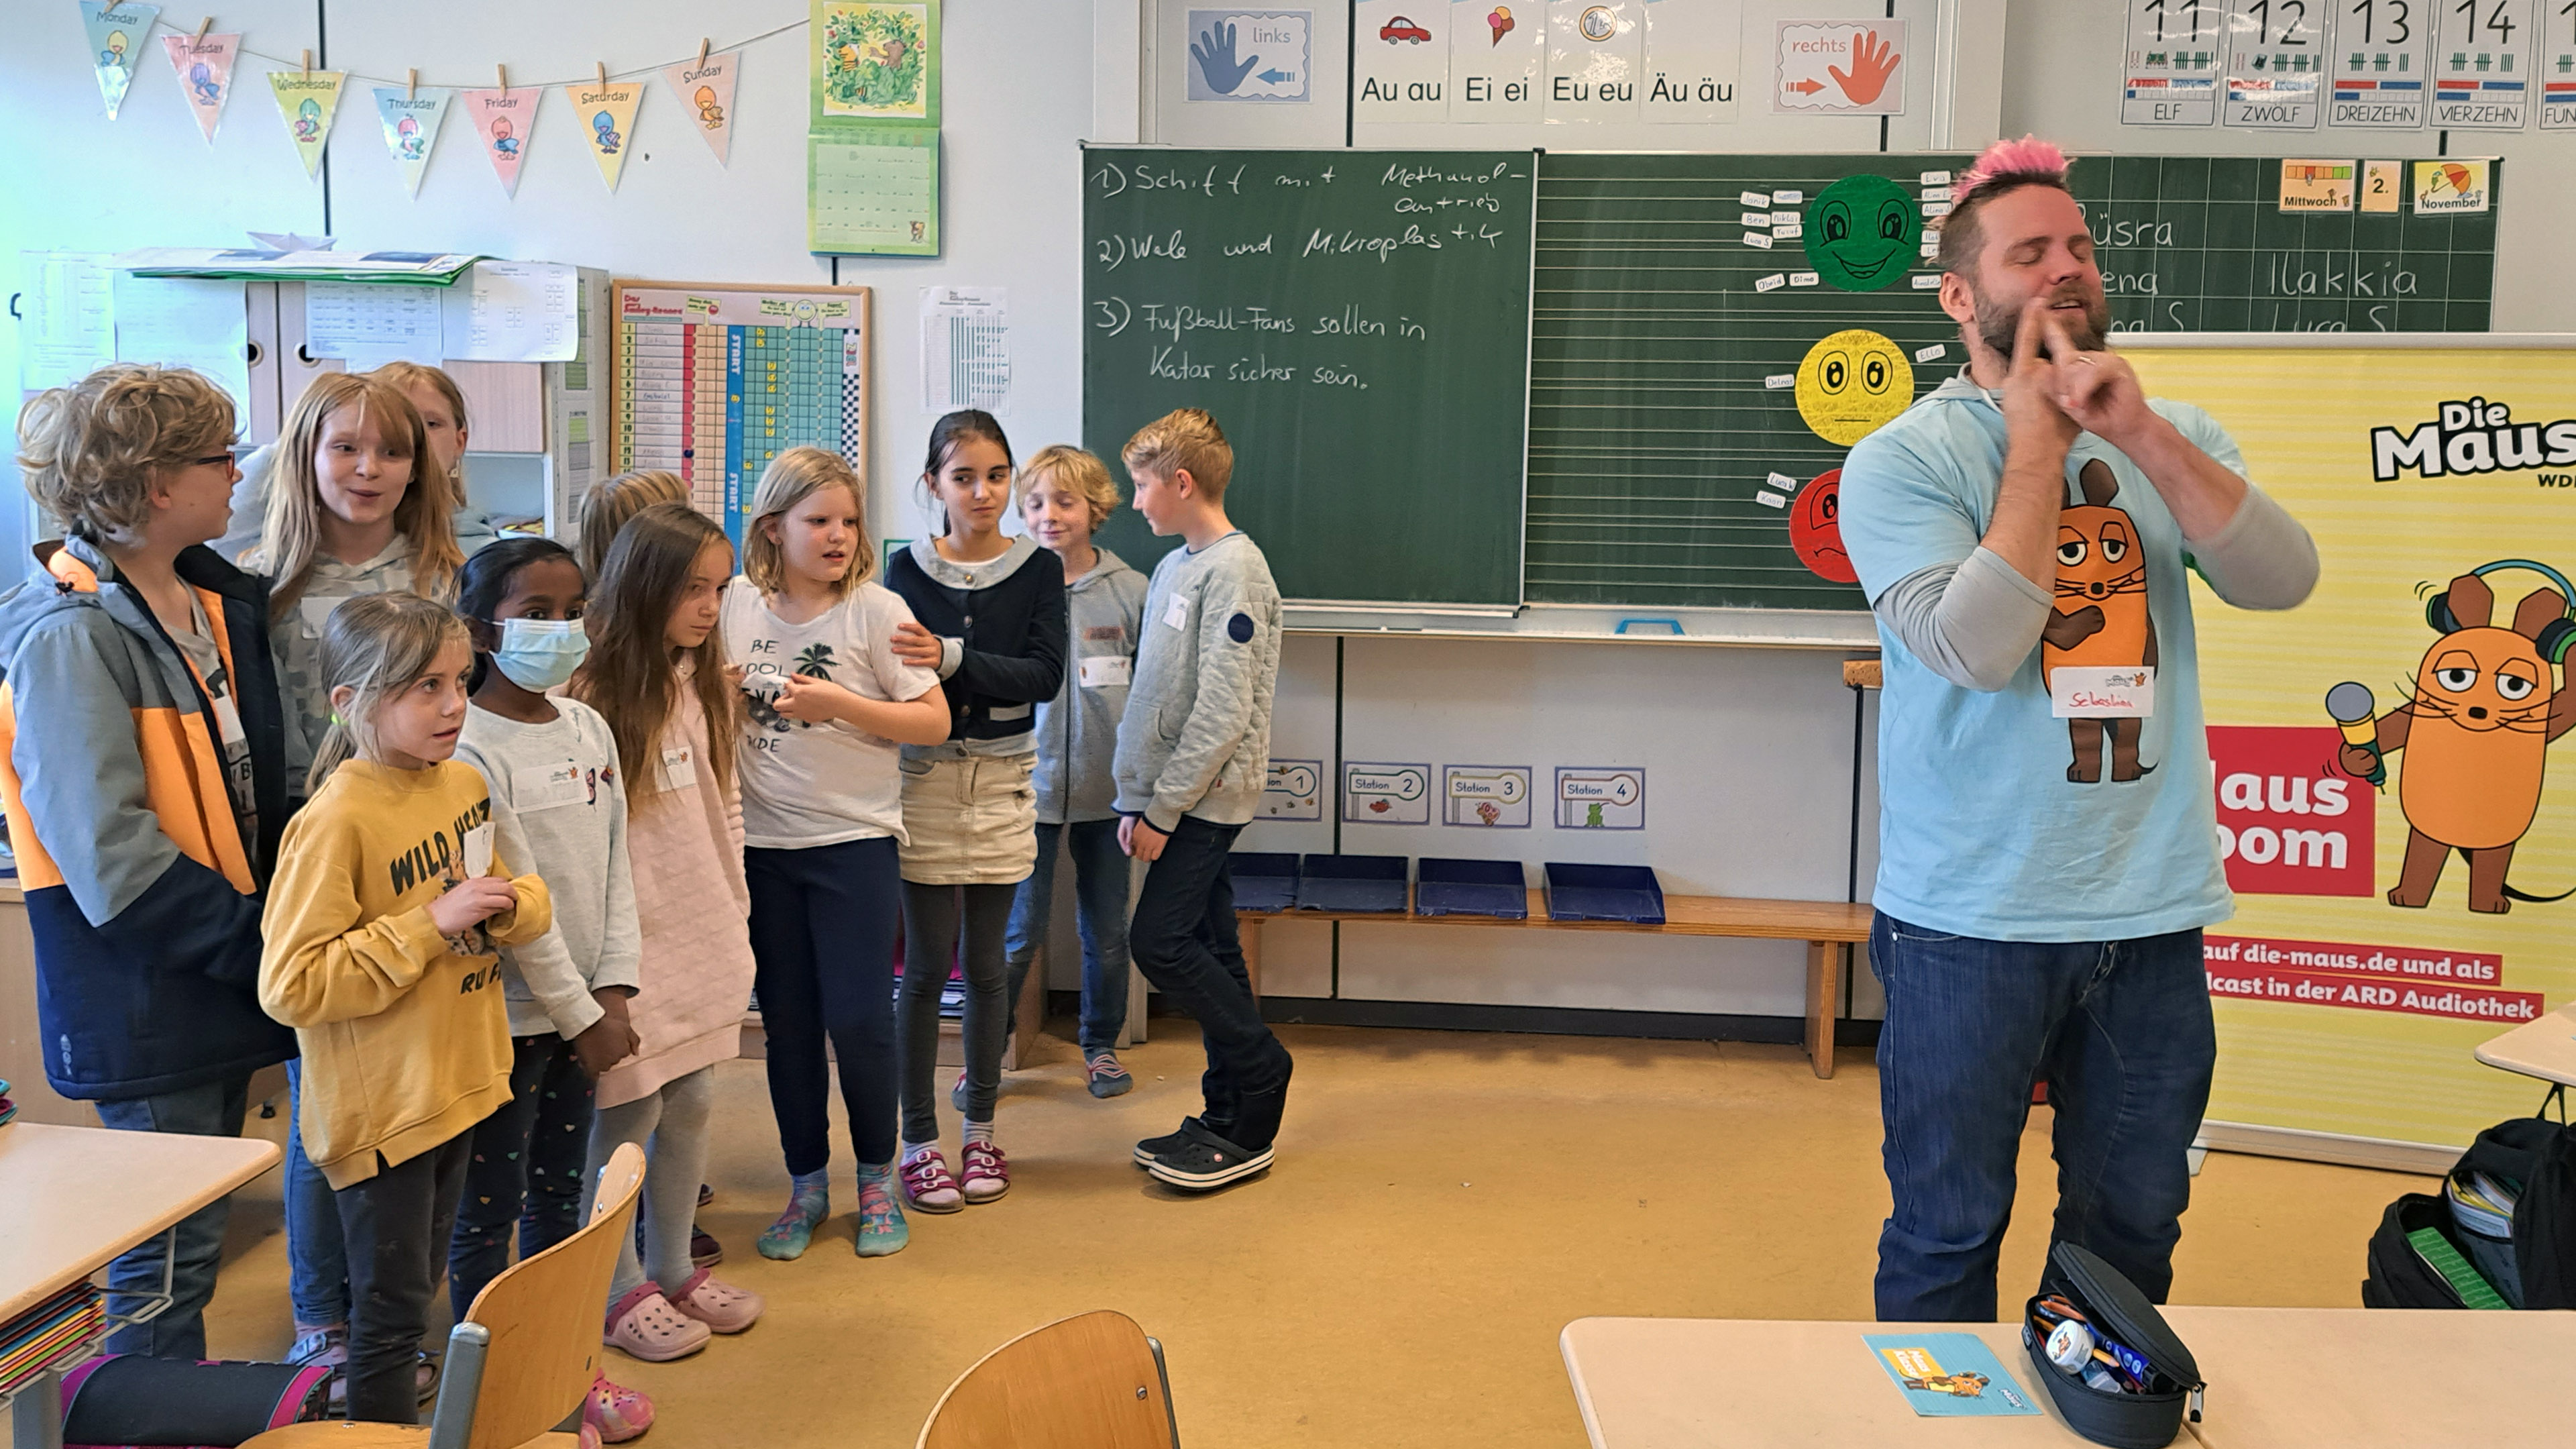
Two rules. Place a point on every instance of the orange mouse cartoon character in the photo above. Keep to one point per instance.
(2100, 618)
(2476, 735)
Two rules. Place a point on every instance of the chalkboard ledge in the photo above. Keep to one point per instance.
(2352, 341)
(1562, 623)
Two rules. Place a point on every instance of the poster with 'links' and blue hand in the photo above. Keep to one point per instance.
(1252, 55)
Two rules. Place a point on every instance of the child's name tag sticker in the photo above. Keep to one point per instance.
(679, 768)
(1176, 614)
(2126, 691)
(228, 725)
(1107, 671)
(478, 850)
(547, 787)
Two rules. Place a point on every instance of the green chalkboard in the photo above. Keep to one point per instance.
(1358, 323)
(1669, 459)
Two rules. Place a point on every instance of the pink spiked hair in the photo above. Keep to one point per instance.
(2027, 160)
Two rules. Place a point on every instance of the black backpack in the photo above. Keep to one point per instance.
(2535, 1268)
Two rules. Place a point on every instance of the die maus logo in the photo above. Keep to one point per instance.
(2476, 436)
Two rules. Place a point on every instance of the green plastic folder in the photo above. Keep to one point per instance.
(2474, 1291)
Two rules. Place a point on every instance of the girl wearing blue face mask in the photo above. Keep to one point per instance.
(558, 808)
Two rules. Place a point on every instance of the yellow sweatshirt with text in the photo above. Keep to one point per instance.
(405, 1037)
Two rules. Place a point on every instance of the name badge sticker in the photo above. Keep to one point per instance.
(547, 787)
(2126, 691)
(1107, 671)
(478, 850)
(679, 768)
(228, 724)
(1176, 614)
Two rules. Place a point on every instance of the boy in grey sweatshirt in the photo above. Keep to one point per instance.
(1193, 752)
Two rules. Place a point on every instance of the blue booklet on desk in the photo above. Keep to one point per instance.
(1948, 1375)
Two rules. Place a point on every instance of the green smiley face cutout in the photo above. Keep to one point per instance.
(1863, 232)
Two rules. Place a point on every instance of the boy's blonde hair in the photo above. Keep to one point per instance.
(377, 644)
(612, 503)
(790, 479)
(1078, 472)
(1183, 438)
(290, 537)
(90, 450)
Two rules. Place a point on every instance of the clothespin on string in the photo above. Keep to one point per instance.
(202, 27)
(411, 85)
(501, 76)
(703, 44)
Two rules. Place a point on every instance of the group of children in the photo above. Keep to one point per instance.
(443, 822)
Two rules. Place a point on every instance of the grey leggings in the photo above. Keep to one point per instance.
(671, 1125)
(930, 930)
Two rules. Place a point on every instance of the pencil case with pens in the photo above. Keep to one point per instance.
(2113, 1366)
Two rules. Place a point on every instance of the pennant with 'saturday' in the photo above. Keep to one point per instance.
(308, 99)
(204, 65)
(411, 120)
(503, 121)
(606, 115)
(116, 35)
(705, 89)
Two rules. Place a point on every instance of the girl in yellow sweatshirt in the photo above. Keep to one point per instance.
(379, 930)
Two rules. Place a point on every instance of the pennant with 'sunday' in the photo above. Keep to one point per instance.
(503, 121)
(116, 35)
(606, 115)
(706, 96)
(308, 99)
(204, 65)
(411, 120)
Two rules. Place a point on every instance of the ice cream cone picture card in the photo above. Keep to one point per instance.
(411, 116)
(605, 111)
(204, 65)
(504, 119)
(116, 34)
(704, 88)
(308, 99)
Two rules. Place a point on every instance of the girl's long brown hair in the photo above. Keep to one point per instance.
(631, 677)
(290, 537)
(610, 504)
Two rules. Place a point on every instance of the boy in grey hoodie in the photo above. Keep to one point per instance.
(1193, 752)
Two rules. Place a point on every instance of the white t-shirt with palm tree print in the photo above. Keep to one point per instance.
(805, 785)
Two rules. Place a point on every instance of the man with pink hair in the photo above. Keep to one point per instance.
(2044, 875)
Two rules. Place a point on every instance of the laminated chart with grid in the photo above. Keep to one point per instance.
(713, 382)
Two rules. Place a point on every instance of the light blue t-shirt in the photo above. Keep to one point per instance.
(1982, 832)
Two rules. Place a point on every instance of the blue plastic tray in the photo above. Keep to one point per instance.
(1263, 880)
(1352, 883)
(1471, 888)
(1604, 893)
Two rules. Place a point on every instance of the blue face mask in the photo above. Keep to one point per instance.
(539, 654)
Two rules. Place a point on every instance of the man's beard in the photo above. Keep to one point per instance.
(1999, 325)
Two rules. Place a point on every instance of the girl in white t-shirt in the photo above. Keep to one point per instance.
(829, 701)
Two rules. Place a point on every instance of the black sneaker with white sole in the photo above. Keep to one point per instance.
(1153, 1147)
(1204, 1161)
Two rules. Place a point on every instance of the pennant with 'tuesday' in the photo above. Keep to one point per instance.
(411, 120)
(204, 65)
(705, 89)
(606, 114)
(503, 121)
(308, 99)
(116, 35)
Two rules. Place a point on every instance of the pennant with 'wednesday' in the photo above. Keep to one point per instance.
(308, 99)
(705, 89)
(116, 35)
(411, 120)
(204, 65)
(606, 115)
(503, 122)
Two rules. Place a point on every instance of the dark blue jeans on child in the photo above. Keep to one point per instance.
(2119, 1030)
(1101, 875)
(1185, 941)
(209, 1109)
(526, 1172)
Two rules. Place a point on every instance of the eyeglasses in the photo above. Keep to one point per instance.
(210, 460)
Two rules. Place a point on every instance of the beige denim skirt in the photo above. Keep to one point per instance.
(972, 821)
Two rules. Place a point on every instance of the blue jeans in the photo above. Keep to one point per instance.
(209, 1109)
(822, 941)
(317, 1257)
(1100, 877)
(2120, 1031)
(1188, 945)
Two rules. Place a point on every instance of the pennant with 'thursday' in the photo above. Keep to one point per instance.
(308, 99)
(411, 116)
(605, 110)
(116, 35)
(204, 65)
(705, 89)
(503, 120)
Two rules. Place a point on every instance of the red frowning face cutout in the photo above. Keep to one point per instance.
(1814, 531)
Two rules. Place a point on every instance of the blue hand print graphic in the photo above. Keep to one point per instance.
(1214, 51)
(1250, 55)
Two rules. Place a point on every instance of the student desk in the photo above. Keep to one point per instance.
(2545, 1049)
(1823, 925)
(71, 1198)
(2279, 1378)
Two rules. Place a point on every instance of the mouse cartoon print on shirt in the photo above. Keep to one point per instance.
(2476, 731)
(2100, 617)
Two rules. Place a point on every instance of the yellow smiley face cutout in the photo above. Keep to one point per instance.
(1851, 383)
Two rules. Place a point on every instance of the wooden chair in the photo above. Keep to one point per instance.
(521, 1362)
(1094, 1381)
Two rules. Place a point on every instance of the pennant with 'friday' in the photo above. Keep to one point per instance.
(503, 121)
(204, 65)
(411, 120)
(606, 114)
(116, 35)
(308, 99)
(705, 89)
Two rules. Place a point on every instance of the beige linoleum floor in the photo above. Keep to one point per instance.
(1444, 1203)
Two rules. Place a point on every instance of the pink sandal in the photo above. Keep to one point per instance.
(720, 1306)
(927, 1185)
(988, 1173)
(614, 1412)
(646, 1325)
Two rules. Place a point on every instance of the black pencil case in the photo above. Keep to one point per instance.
(2114, 1308)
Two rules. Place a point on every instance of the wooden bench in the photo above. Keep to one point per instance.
(1823, 925)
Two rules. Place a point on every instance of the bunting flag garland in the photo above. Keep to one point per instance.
(204, 65)
(116, 35)
(411, 116)
(308, 99)
(503, 121)
(605, 111)
(705, 90)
